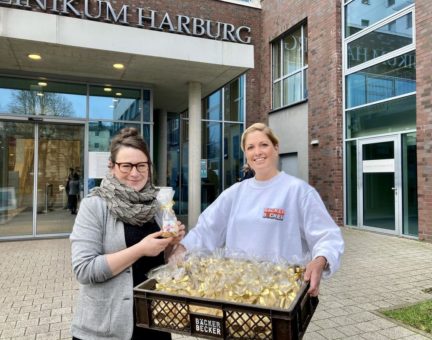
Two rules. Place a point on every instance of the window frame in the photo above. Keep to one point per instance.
(281, 77)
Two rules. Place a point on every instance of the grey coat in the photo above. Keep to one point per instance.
(105, 304)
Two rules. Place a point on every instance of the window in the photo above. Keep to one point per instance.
(381, 41)
(365, 23)
(409, 21)
(391, 78)
(289, 68)
(356, 11)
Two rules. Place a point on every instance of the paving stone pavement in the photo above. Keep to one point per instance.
(37, 289)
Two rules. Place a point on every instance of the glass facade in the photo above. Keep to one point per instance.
(289, 68)
(384, 117)
(409, 175)
(381, 41)
(38, 155)
(380, 116)
(114, 103)
(360, 14)
(41, 97)
(351, 182)
(391, 78)
(222, 157)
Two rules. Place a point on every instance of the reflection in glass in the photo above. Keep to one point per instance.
(378, 200)
(276, 60)
(213, 106)
(101, 134)
(277, 94)
(173, 158)
(394, 77)
(146, 105)
(184, 194)
(211, 183)
(60, 154)
(289, 70)
(351, 183)
(360, 14)
(384, 150)
(42, 97)
(292, 88)
(115, 103)
(220, 141)
(233, 100)
(409, 183)
(16, 178)
(292, 52)
(390, 116)
(379, 42)
(233, 155)
(146, 134)
(378, 193)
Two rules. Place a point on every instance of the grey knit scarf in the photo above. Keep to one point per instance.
(126, 204)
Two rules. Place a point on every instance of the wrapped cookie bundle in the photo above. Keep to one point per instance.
(232, 278)
(166, 217)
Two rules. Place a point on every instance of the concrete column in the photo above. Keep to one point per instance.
(194, 175)
(163, 148)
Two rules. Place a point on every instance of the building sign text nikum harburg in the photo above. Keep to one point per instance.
(145, 18)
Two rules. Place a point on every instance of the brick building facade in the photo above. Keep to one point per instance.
(344, 84)
(424, 117)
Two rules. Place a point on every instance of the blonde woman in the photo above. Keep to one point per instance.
(272, 213)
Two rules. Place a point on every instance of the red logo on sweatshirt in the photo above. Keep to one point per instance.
(274, 214)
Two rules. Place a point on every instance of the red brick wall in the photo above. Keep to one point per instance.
(424, 116)
(324, 83)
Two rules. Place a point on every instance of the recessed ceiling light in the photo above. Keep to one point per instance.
(42, 83)
(34, 56)
(107, 89)
(118, 66)
(119, 94)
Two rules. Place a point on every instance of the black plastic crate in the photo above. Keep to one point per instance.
(217, 319)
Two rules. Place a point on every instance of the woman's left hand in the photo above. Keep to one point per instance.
(313, 273)
(181, 234)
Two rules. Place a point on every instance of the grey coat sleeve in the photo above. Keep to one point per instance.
(88, 258)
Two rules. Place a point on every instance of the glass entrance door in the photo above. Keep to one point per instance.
(37, 159)
(379, 184)
(60, 160)
(16, 178)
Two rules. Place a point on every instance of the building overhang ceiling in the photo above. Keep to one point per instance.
(86, 50)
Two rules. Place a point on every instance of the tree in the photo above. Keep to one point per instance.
(40, 103)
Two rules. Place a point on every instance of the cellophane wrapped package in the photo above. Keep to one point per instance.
(166, 216)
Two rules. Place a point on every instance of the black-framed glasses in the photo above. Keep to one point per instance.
(125, 168)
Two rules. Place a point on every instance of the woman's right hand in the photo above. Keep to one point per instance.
(177, 254)
(152, 245)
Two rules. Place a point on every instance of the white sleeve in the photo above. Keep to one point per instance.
(323, 236)
(211, 229)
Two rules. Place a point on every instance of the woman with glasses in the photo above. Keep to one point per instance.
(115, 242)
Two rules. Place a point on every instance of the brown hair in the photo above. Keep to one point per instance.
(259, 127)
(129, 137)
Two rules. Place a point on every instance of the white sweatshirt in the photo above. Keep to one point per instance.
(282, 217)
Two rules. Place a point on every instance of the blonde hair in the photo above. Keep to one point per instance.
(259, 127)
